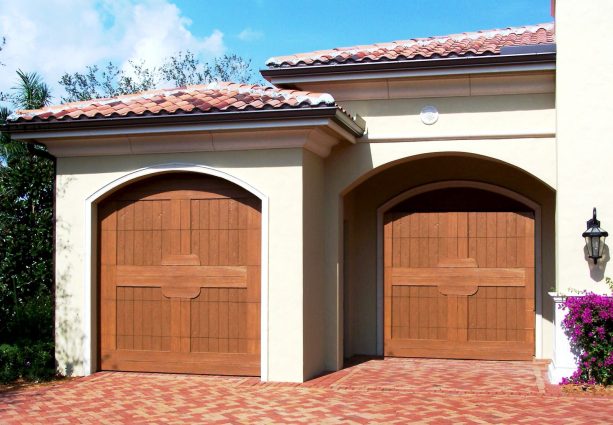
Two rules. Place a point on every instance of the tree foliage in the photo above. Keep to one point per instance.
(30, 92)
(181, 69)
(26, 240)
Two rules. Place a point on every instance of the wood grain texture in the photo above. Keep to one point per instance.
(179, 273)
(459, 285)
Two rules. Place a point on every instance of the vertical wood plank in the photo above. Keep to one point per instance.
(462, 321)
(166, 322)
(462, 234)
(387, 308)
(129, 234)
(423, 312)
(472, 318)
(147, 233)
(387, 242)
(433, 313)
(146, 319)
(396, 250)
(491, 313)
(413, 312)
(204, 319)
(452, 318)
(501, 316)
(443, 234)
(396, 312)
(185, 325)
(175, 325)
(214, 320)
(529, 235)
(511, 314)
(442, 316)
(175, 226)
(214, 233)
(128, 318)
(224, 324)
(481, 334)
(233, 319)
(185, 227)
(414, 239)
(166, 228)
(138, 319)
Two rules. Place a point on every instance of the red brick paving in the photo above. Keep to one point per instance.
(391, 391)
(446, 375)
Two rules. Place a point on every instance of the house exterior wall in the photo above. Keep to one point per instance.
(276, 173)
(309, 197)
(512, 131)
(583, 91)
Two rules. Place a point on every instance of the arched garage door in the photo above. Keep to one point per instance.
(180, 277)
(459, 277)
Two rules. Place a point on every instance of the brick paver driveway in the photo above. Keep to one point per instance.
(391, 391)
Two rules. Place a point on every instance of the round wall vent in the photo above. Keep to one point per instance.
(429, 115)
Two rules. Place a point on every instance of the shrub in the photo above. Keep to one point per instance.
(589, 326)
(33, 362)
(27, 349)
(9, 363)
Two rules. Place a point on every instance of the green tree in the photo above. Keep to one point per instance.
(181, 69)
(26, 240)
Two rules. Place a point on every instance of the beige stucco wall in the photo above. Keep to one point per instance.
(584, 88)
(314, 260)
(460, 117)
(275, 173)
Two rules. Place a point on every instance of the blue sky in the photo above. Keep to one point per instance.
(289, 26)
(56, 36)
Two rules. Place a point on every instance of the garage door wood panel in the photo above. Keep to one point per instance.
(180, 278)
(459, 285)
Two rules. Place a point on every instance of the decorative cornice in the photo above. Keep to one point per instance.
(318, 137)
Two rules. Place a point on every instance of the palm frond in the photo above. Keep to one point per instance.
(31, 92)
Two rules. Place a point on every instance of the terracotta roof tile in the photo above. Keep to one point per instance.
(464, 44)
(214, 97)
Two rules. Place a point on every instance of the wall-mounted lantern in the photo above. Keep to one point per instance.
(594, 238)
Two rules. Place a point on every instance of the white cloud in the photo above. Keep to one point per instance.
(249, 34)
(56, 36)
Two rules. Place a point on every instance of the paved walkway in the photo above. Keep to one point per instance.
(391, 391)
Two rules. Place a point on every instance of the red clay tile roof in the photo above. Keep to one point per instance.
(214, 97)
(477, 43)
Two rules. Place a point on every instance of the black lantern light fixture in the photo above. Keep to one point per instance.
(594, 238)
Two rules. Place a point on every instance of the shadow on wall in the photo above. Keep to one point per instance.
(597, 271)
(69, 336)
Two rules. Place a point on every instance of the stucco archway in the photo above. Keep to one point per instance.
(366, 201)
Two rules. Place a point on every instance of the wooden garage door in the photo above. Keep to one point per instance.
(180, 277)
(459, 285)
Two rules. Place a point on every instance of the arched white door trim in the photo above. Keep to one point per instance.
(90, 302)
(463, 184)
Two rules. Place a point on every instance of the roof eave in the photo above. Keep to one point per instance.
(387, 69)
(217, 119)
